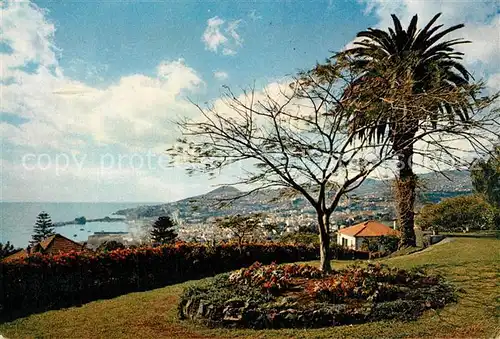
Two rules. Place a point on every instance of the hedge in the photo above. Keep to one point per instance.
(41, 282)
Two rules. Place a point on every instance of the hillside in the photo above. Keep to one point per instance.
(435, 186)
(467, 263)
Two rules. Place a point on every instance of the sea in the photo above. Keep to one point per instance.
(18, 218)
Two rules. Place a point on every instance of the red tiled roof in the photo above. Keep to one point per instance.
(51, 245)
(369, 228)
(18, 255)
(57, 243)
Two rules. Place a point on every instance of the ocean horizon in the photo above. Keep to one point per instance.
(18, 218)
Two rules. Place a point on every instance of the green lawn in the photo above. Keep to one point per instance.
(471, 264)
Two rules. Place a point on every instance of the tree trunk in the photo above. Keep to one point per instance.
(324, 242)
(405, 198)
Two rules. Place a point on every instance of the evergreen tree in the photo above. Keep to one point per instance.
(43, 228)
(7, 249)
(163, 231)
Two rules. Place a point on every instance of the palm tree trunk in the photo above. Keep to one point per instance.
(324, 242)
(405, 198)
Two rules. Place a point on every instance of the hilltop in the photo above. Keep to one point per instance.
(198, 208)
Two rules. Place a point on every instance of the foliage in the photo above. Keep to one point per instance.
(469, 212)
(162, 231)
(473, 316)
(44, 281)
(7, 249)
(110, 245)
(389, 242)
(485, 175)
(291, 296)
(272, 279)
(372, 283)
(399, 69)
(300, 238)
(243, 227)
(43, 228)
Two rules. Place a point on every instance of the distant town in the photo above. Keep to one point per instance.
(196, 216)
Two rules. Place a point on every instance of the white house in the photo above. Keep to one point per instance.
(354, 236)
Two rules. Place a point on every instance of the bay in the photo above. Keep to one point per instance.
(18, 218)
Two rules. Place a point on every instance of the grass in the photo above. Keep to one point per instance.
(472, 265)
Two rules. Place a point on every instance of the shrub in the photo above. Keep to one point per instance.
(300, 238)
(469, 212)
(272, 278)
(41, 282)
(7, 249)
(110, 245)
(302, 297)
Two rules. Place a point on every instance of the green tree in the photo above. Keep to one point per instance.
(421, 62)
(462, 213)
(242, 227)
(7, 249)
(163, 231)
(485, 175)
(43, 228)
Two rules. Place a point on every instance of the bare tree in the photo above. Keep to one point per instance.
(303, 137)
(297, 138)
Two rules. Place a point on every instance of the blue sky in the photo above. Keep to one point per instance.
(134, 37)
(88, 82)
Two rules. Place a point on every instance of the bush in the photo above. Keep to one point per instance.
(41, 282)
(469, 212)
(295, 296)
(110, 245)
(300, 238)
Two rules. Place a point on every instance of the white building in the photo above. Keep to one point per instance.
(354, 236)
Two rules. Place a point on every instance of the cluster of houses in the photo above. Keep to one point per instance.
(351, 237)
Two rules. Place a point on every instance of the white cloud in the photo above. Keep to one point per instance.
(254, 16)
(221, 75)
(32, 43)
(231, 30)
(135, 112)
(228, 51)
(213, 37)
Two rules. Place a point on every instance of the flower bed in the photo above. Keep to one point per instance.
(300, 296)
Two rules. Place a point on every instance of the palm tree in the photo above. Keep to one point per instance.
(432, 63)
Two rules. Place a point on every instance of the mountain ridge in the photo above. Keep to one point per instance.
(206, 204)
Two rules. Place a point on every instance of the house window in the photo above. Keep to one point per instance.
(344, 242)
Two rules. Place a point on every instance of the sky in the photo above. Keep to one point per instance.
(91, 89)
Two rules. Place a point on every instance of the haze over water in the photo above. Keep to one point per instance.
(17, 219)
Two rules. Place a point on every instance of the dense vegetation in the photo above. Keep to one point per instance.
(462, 213)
